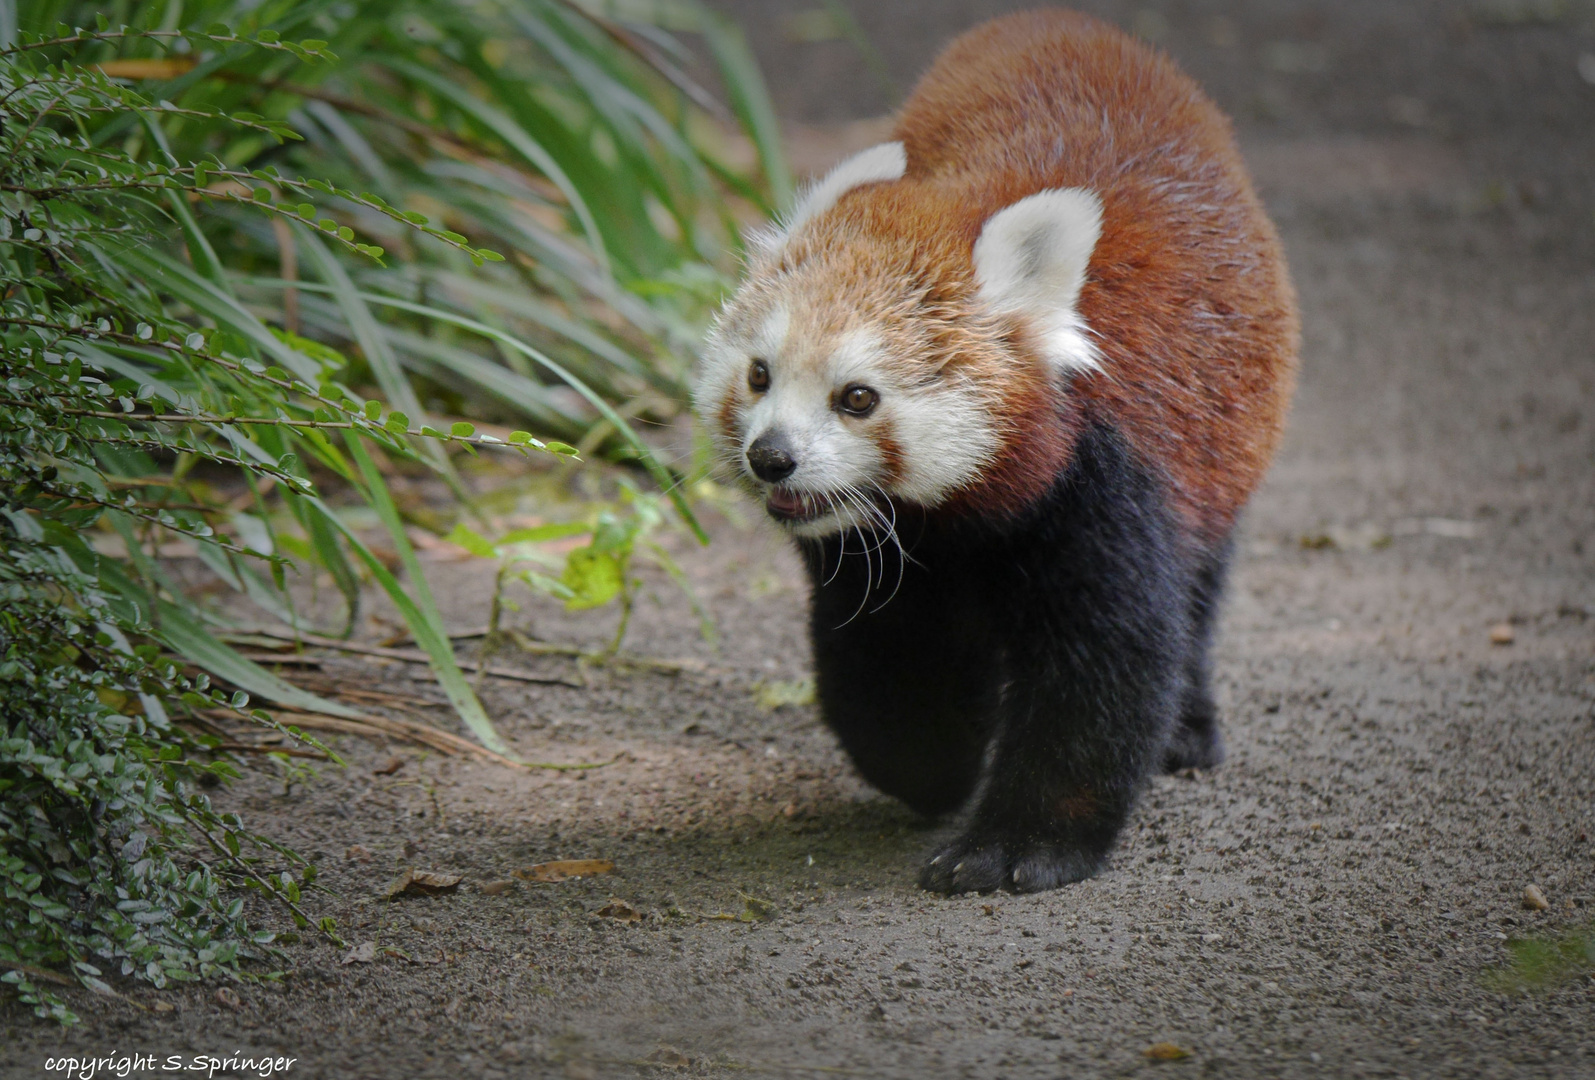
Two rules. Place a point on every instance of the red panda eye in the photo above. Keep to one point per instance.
(859, 400)
(759, 376)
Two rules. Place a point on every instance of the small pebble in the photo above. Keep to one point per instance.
(1534, 899)
(493, 888)
(1502, 634)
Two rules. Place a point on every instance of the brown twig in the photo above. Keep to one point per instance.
(407, 730)
(286, 751)
(411, 656)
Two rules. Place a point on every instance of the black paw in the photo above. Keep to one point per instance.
(1193, 747)
(970, 864)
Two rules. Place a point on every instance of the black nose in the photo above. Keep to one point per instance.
(770, 458)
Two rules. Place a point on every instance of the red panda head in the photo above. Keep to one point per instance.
(891, 347)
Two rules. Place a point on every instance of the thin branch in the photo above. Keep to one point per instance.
(83, 37)
(269, 421)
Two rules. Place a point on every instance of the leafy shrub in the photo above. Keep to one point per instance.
(160, 190)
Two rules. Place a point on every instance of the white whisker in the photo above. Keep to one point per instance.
(851, 495)
(841, 553)
(902, 555)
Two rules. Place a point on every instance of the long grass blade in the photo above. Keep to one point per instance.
(209, 299)
(645, 456)
(420, 610)
(518, 140)
(186, 635)
(384, 365)
(750, 99)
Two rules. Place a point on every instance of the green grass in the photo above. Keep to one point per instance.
(1546, 961)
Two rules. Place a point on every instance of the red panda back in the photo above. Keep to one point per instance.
(1187, 290)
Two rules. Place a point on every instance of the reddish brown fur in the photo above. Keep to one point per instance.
(891, 454)
(1187, 289)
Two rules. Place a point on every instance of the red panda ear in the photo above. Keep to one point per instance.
(1031, 261)
(876, 165)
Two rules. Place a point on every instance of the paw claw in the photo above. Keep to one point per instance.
(984, 866)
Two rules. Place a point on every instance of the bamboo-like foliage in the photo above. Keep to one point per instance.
(553, 132)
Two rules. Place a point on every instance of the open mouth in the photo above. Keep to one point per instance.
(796, 507)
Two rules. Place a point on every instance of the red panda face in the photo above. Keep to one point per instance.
(831, 408)
(890, 347)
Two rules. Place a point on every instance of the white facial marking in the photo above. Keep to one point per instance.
(835, 454)
(942, 429)
(878, 164)
(1031, 261)
(947, 437)
(772, 333)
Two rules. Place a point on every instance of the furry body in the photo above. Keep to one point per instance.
(1043, 344)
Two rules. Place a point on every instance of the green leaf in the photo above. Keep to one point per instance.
(472, 541)
(593, 577)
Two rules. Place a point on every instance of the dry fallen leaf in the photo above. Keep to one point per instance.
(1165, 1051)
(363, 953)
(389, 767)
(493, 888)
(422, 883)
(564, 870)
(620, 911)
(357, 853)
(225, 996)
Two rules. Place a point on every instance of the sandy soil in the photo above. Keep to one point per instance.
(1328, 903)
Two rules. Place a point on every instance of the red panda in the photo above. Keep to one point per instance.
(1008, 380)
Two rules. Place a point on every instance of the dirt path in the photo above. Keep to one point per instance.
(1328, 903)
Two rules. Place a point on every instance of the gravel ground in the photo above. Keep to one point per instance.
(1334, 901)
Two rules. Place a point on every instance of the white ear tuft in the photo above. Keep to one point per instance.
(876, 165)
(1031, 260)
